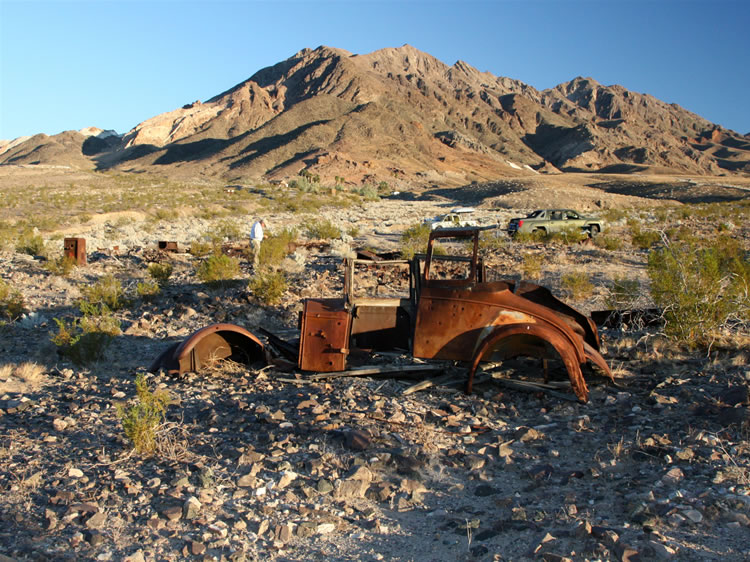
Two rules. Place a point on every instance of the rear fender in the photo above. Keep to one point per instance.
(533, 340)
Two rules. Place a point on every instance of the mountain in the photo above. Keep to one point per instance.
(399, 114)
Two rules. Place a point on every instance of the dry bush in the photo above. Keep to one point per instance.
(217, 269)
(275, 247)
(160, 272)
(11, 302)
(15, 378)
(532, 265)
(105, 295)
(321, 229)
(61, 266)
(268, 286)
(141, 420)
(577, 285)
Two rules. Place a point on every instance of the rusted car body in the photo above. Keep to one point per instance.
(451, 308)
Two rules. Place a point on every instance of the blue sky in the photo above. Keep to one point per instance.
(114, 63)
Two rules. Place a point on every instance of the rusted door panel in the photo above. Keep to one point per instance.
(381, 327)
(324, 339)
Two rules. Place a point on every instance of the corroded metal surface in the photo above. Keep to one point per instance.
(75, 249)
(209, 345)
(324, 338)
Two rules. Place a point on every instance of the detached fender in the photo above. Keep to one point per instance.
(214, 342)
(532, 340)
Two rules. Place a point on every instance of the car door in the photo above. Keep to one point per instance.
(556, 223)
(573, 220)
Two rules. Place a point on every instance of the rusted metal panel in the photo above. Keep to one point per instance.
(208, 345)
(535, 340)
(75, 248)
(168, 246)
(324, 338)
(375, 326)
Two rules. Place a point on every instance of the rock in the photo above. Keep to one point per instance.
(325, 528)
(693, 514)
(324, 486)
(357, 440)
(286, 478)
(197, 548)
(283, 532)
(137, 556)
(484, 490)
(660, 551)
(673, 476)
(97, 520)
(192, 508)
(75, 473)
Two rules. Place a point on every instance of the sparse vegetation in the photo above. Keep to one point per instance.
(275, 247)
(321, 229)
(84, 340)
(703, 287)
(105, 295)
(217, 269)
(141, 420)
(577, 285)
(624, 293)
(643, 239)
(11, 302)
(532, 265)
(147, 290)
(414, 240)
(62, 265)
(160, 272)
(608, 242)
(31, 244)
(268, 286)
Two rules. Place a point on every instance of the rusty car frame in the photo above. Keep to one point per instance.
(471, 317)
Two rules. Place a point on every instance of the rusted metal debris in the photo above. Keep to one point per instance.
(441, 307)
(209, 345)
(75, 248)
(168, 246)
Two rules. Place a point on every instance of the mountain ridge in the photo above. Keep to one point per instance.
(402, 115)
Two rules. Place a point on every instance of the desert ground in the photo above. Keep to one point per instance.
(257, 462)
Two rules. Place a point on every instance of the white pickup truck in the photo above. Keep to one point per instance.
(457, 218)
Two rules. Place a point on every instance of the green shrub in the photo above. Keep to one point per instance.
(624, 293)
(577, 285)
(200, 248)
(275, 247)
(84, 340)
(225, 230)
(160, 272)
(31, 244)
(643, 239)
(268, 286)
(414, 240)
(11, 302)
(532, 266)
(321, 229)
(492, 240)
(567, 236)
(217, 269)
(610, 243)
(62, 265)
(141, 420)
(107, 294)
(702, 288)
(147, 290)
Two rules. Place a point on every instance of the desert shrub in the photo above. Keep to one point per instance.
(107, 294)
(532, 265)
(275, 247)
(535, 237)
(61, 266)
(147, 290)
(84, 340)
(321, 229)
(11, 302)
(624, 293)
(268, 286)
(160, 272)
(200, 248)
(643, 239)
(614, 215)
(701, 287)
(567, 236)
(353, 231)
(609, 243)
(414, 240)
(577, 285)
(218, 268)
(225, 230)
(141, 420)
(31, 244)
(492, 240)
(369, 192)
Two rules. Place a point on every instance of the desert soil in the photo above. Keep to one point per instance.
(250, 467)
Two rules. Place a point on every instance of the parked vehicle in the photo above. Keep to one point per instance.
(459, 217)
(450, 307)
(549, 221)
